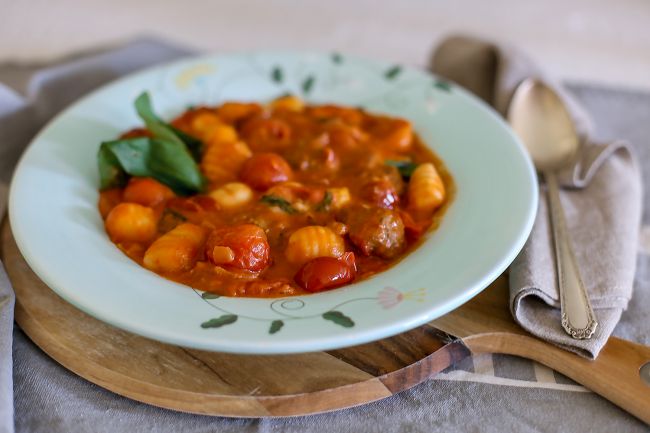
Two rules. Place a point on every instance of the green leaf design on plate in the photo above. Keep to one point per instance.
(277, 75)
(208, 295)
(339, 318)
(393, 72)
(442, 85)
(276, 325)
(220, 321)
(337, 58)
(308, 84)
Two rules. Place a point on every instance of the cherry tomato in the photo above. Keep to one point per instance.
(266, 134)
(232, 112)
(146, 191)
(413, 229)
(249, 247)
(137, 132)
(197, 204)
(263, 170)
(325, 273)
(108, 199)
(381, 193)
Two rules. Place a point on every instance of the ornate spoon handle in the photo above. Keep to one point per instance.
(578, 318)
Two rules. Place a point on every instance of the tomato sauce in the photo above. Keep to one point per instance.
(356, 180)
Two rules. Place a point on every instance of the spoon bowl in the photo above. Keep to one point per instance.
(539, 117)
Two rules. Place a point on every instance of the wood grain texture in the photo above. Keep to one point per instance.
(288, 385)
(218, 383)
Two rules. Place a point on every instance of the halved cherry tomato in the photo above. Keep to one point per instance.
(325, 273)
(243, 247)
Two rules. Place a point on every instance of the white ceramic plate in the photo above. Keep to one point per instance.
(57, 226)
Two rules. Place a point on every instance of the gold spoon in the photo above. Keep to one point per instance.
(541, 120)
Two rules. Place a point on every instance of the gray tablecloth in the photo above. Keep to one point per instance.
(488, 393)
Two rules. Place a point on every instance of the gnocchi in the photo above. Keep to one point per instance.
(131, 222)
(222, 162)
(426, 191)
(232, 195)
(310, 242)
(176, 250)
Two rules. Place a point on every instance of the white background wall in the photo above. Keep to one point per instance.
(603, 41)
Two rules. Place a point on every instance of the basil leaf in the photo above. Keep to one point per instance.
(406, 168)
(169, 157)
(111, 173)
(163, 130)
(274, 200)
(194, 145)
(169, 162)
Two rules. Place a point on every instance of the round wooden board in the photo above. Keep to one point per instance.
(221, 384)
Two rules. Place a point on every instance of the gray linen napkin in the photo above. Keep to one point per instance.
(601, 199)
(49, 91)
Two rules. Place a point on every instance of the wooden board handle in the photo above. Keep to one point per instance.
(615, 374)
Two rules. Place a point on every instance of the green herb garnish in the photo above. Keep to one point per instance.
(405, 168)
(171, 213)
(194, 145)
(275, 201)
(164, 131)
(325, 204)
(168, 157)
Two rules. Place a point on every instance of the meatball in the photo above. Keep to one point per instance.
(375, 231)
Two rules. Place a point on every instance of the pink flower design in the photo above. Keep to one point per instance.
(388, 297)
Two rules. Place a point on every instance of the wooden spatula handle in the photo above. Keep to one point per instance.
(615, 374)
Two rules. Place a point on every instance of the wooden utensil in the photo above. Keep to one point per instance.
(255, 386)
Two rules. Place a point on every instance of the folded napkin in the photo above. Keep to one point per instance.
(601, 200)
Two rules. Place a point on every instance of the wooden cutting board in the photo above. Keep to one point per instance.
(288, 385)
